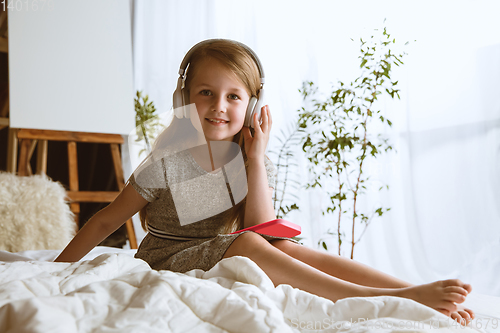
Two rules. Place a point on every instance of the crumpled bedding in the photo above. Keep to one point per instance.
(118, 293)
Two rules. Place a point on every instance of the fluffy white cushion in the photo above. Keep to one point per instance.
(33, 214)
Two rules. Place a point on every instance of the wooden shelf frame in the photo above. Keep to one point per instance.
(27, 139)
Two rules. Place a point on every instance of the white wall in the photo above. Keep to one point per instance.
(70, 66)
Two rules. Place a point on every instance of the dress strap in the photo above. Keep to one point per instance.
(167, 235)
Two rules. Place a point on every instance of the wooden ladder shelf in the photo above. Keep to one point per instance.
(28, 139)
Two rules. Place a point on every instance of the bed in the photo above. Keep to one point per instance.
(111, 291)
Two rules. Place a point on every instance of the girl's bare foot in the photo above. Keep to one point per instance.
(442, 296)
(463, 315)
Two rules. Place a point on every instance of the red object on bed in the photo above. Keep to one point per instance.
(279, 228)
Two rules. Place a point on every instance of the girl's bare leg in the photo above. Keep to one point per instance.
(340, 267)
(355, 272)
(284, 269)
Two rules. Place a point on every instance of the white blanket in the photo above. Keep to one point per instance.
(117, 293)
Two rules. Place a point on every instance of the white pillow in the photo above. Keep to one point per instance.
(34, 214)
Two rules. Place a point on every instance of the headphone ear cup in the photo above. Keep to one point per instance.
(258, 106)
(185, 103)
(250, 112)
(178, 100)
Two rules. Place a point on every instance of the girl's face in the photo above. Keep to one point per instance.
(219, 95)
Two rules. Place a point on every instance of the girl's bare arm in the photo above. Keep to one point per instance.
(102, 224)
(259, 206)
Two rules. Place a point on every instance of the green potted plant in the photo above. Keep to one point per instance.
(286, 169)
(146, 121)
(341, 132)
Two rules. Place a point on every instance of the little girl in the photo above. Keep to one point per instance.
(222, 78)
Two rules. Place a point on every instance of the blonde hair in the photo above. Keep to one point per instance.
(237, 59)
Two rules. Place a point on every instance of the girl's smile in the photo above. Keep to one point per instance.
(221, 100)
(217, 121)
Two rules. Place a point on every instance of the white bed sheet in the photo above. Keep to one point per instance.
(110, 291)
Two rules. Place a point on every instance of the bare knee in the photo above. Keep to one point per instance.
(247, 243)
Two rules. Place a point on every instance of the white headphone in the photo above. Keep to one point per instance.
(180, 99)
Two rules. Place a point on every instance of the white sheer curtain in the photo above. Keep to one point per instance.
(445, 177)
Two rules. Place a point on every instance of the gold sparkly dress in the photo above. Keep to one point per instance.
(196, 245)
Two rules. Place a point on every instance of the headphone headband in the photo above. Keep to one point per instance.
(187, 57)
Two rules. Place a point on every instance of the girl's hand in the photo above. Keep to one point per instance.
(255, 146)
